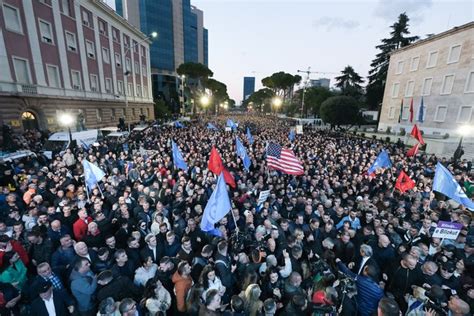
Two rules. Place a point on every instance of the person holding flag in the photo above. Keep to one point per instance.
(217, 207)
(178, 158)
(242, 153)
(404, 182)
(382, 161)
(92, 174)
(445, 183)
(249, 136)
(291, 135)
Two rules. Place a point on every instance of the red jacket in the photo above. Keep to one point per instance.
(18, 248)
(80, 228)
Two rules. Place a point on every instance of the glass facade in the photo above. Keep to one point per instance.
(249, 86)
(190, 30)
(205, 44)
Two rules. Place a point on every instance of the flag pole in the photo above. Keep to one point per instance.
(100, 190)
(87, 193)
(235, 222)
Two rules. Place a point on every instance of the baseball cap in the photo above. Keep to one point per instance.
(43, 286)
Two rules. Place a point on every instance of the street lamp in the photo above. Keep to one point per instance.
(127, 72)
(66, 120)
(204, 100)
(463, 130)
(277, 102)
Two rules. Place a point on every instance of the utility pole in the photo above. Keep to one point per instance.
(306, 82)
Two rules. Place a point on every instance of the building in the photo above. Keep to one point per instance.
(182, 38)
(321, 82)
(438, 72)
(249, 87)
(71, 56)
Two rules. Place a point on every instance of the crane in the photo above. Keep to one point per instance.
(308, 73)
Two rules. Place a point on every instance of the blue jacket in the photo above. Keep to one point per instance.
(83, 287)
(369, 292)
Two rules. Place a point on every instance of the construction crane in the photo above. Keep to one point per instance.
(308, 73)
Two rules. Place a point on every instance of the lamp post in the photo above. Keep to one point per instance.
(464, 130)
(277, 102)
(66, 120)
(204, 100)
(127, 72)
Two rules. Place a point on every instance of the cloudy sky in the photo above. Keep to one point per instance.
(260, 37)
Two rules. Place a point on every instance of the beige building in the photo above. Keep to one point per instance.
(438, 71)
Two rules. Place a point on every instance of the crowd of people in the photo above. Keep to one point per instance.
(334, 241)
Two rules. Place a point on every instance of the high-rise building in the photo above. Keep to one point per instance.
(249, 87)
(71, 56)
(181, 38)
(321, 82)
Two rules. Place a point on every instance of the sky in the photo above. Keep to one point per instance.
(260, 37)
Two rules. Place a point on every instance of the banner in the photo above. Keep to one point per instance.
(263, 197)
(299, 129)
(447, 230)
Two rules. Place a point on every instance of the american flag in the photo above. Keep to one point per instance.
(283, 159)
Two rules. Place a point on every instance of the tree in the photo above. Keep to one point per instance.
(350, 82)
(260, 99)
(218, 91)
(340, 110)
(378, 74)
(282, 84)
(196, 75)
(161, 110)
(313, 98)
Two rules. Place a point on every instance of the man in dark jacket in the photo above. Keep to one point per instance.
(50, 300)
(118, 287)
(223, 267)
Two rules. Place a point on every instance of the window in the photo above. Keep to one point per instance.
(71, 42)
(426, 89)
(48, 2)
(143, 70)
(90, 49)
(118, 60)
(399, 67)
(395, 89)
(46, 32)
(12, 19)
(391, 112)
(98, 114)
(145, 92)
(102, 27)
(469, 83)
(139, 90)
(406, 111)
(53, 76)
(464, 115)
(76, 79)
(120, 87)
(105, 55)
(454, 54)
(415, 61)
(128, 64)
(135, 47)
(85, 18)
(65, 7)
(114, 35)
(108, 85)
(137, 69)
(129, 90)
(22, 70)
(447, 85)
(94, 82)
(409, 88)
(440, 114)
(432, 59)
(143, 51)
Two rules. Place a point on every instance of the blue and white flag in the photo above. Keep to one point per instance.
(178, 124)
(382, 161)
(217, 207)
(231, 124)
(212, 127)
(249, 136)
(242, 153)
(85, 145)
(92, 174)
(291, 135)
(178, 158)
(445, 183)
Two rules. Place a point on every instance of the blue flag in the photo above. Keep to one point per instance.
(242, 153)
(178, 158)
(421, 112)
(178, 124)
(291, 136)
(382, 161)
(212, 127)
(217, 207)
(445, 183)
(92, 174)
(249, 136)
(231, 124)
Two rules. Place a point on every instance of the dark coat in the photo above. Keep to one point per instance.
(61, 304)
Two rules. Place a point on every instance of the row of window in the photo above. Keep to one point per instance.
(432, 60)
(446, 86)
(464, 113)
(116, 113)
(23, 75)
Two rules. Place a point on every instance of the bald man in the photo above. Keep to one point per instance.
(384, 253)
(458, 307)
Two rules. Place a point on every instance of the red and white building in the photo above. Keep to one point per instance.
(75, 56)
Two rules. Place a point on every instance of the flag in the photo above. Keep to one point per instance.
(84, 145)
(401, 112)
(421, 112)
(411, 111)
(291, 135)
(217, 207)
(445, 183)
(216, 166)
(413, 151)
(178, 124)
(283, 159)
(382, 161)
(416, 133)
(242, 153)
(249, 136)
(404, 182)
(92, 174)
(212, 127)
(231, 124)
(178, 158)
